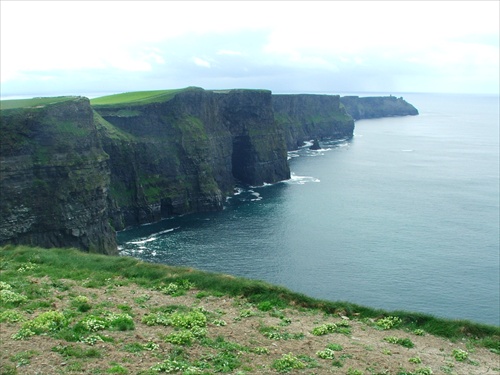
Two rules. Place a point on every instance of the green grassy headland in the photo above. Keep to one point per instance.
(137, 97)
(33, 102)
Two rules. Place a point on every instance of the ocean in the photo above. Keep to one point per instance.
(403, 216)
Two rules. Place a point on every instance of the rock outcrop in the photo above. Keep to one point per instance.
(315, 145)
(54, 178)
(377, 106)
(305, 117)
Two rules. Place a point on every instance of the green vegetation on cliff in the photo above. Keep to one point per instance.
(33, 102)
(305, 116)
(138, 97)
(111, 131)
(37, 127)
(72, 312)
(54, 176)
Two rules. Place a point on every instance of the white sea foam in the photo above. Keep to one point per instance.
(165, 231)
(307, 144)
(250, 195)
(264, 184)
(256, 195)
(301, 180)
(318, 152)
(238, 191)
(142, 241)
(150, 238)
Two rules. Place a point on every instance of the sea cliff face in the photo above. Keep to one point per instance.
(305, 117)
(186, 154)
(72, 171)
(54, 178)
(377, 106)
(165, 159)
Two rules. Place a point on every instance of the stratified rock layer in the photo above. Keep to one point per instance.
(186, 154)
(54, 178)
(305, 117)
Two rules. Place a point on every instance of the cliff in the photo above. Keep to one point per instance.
(184, 153)
(377, 106)
(54, 177)
(304, 117)
(72, 171)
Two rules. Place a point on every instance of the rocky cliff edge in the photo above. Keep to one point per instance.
(54, 177)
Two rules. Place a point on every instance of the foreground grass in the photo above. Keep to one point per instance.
(100, 314)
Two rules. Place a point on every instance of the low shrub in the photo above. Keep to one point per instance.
(188, 320)
(111, 321)
(287, 363)
(8, 296)
(326, 354)
(460, 355)
(11, 316)
(81, 303)
(388, 322)
(45, 323)
(407, 343)
(341, 327)
(183, 337)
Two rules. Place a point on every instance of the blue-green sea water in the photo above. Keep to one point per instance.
(403, 216)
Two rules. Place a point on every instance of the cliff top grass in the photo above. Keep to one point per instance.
(65, 311)
(228, 91)
(33, 102)
(138, 97)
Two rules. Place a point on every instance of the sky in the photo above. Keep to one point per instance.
(94, 48)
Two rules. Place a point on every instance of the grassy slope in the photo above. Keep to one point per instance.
(128, 98)
(137, 97)
(41, 276)
(33, 102)
(76, 265)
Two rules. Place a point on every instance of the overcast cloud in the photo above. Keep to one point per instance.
(96, 47)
